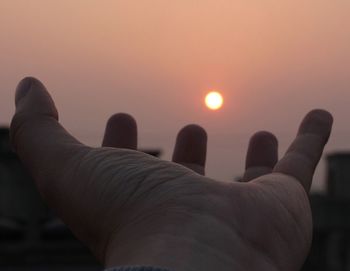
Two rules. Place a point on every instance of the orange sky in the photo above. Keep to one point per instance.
(274, 60)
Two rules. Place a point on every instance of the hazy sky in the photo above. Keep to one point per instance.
(273, 60)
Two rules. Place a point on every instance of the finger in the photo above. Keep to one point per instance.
(262, 155)
(121, 132)
(43, 145)
(191, 148)
(306, 150)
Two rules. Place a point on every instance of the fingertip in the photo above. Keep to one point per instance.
(262, 150)
(121, 119)
(317, 121)
(23, 88)
(319, 112)
(121, 132)
(193, 131)
(32, 97)
(191, 147)
(264, 137)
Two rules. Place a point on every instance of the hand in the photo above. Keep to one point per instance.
(134, 209)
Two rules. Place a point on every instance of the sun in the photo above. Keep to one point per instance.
(214, 100)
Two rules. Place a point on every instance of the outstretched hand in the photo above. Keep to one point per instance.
(133, 209)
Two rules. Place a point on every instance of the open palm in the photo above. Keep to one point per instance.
(134, 209)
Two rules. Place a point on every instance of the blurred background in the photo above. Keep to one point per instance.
(272, 60)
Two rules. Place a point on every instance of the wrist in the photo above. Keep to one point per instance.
(217, 250)
(136, 268)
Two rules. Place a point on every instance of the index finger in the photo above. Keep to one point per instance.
(304, 153)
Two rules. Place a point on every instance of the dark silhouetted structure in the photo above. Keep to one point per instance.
(331, 216)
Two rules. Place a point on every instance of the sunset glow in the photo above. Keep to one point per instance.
(214, 100)
(272, 61)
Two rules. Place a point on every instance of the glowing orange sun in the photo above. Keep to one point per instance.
(214, 100)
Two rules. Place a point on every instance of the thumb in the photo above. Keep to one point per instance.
(42, 144)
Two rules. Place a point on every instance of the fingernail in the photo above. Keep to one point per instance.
(23, 89)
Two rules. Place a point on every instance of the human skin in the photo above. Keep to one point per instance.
(133, 209)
